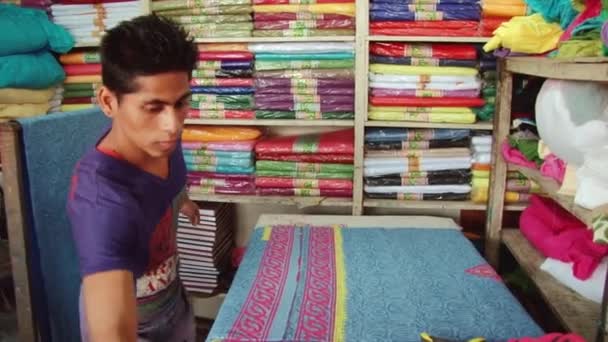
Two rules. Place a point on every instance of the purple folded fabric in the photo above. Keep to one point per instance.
(323, 99)
(303, 83)
(424, 93)
(306, 107)
(312, 91)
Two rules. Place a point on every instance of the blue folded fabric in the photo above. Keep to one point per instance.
(222, 90)
(403, 134)
(26, 30)
(221, 154)
(222, 169)
(414, 2)
(219, 161)
(32, 71)
(423, 61)
(388, 15)
(229, 65)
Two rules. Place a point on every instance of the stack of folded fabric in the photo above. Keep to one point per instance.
(306, 81)
(496, 12)
(427, 83)
(220, 159)
(518, 187)
(306, 165)
(489, 75)
(303, 18)
(205, 249)
(83, 70)
(417, 164)
(424, 18)
(88, 20)
(209, 18)
(29, 73)
(222, 84)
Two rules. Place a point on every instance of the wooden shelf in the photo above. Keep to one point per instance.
(412, 124)
(577, 313)
(583, 69)
(301, 123)
(275, 39)
(277, 200)
(434, 39)
(550, 187)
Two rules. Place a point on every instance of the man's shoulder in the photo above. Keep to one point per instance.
(99, 180)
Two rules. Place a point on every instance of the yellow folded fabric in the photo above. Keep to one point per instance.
(222, 47)
(423, 117)
(75, 107)
(14, 111)
(504, 2)
(401, 109)
(531, 34)
(480, 195)
(392, 69)
(338, 8)
(19, 96)
(500, 10)
(83, 79)
(216, 133)
(481, 174)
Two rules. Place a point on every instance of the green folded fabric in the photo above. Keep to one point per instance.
(180, 4)
(267, 165)
(304, 33)
(69, 94)
(286, 115)
(237, 9)
(528, 147)
(79, 86)
(308, 175)
(220, 105)
(211, 18)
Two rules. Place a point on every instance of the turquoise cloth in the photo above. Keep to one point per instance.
(26, 30)
(554, 11)
(33, 71)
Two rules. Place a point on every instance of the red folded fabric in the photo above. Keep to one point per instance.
(82, 69)
(277, 182)
(452, 51)
(559, 235)
(553, 337)
(222, 82)
(422, 32)
(337, 142)
(446, 25)
(308, 158)
(225, 55)
(426, 101)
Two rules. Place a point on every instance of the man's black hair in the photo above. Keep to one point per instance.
(144, 46)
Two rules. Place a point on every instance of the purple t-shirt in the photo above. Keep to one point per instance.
(124, 218)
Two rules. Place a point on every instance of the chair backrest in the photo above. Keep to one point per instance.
(50, 147)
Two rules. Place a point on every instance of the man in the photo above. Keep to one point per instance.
(127, 191)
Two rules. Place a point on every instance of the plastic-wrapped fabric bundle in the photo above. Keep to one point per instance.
(302, 167)
(452, 28)
(83, 70)
(304, 83)
(378, 15)
(415, 145)
(439, 51)
(435, 152)
(208, 190)
(445, 177)
(409, 70)
(305, 192)
(308, 158)
(219, 168)
(296, 174)
(471, 63)
(425, 79)
(305, 106)
(187, 20)
(219, 161)
(218, 154)
(307, 74)
(443, 7)
(221, 183)
(298, 16)
(214, 146)
(336, 142)
(219, 65)
(332, 8)
(426, 102)
(304, 33)
(300, 48)
(305, 24)
(406, 134)
(205, 11)
(305, 64)
(219, 133)
(221, 114)
(220, 105)
(424, 92)
(162, 5)
(420, 189)
(206, 176)
(225, 99)
(329, 99)
(456, 118)
(221, 73)
(431, 86)
(304, 91)
(300, 115)
(222, 82)
(420, 197)
(277, 182)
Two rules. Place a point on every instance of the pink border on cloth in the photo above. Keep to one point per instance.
(317, 310)
(259, 310)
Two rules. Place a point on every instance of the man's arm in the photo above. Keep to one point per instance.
(110, 306)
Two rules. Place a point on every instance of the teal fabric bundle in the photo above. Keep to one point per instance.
(33, 71)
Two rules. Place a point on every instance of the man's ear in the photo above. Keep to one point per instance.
(108, 101)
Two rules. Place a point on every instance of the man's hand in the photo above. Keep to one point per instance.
(190, 209)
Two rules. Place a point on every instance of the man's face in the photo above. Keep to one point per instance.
(152, 117)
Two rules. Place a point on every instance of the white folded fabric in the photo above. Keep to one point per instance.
(482, 140)
(397, 169)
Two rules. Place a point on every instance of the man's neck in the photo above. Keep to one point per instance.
(119, 144)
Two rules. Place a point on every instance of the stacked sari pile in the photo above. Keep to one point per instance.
(424, 17)
(209, 18)
(220, 159)
(306, 81)
(417, 164)
(83, 70)
(222, 83)
(306, 165)
(496, 12)
(88, 20)
(425, 83)
(304, 18)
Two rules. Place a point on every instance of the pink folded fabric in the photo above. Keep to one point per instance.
(514, 156)
(82, 69)
(554, 337)
(553, 167)
(557, 234)
(219, 146)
